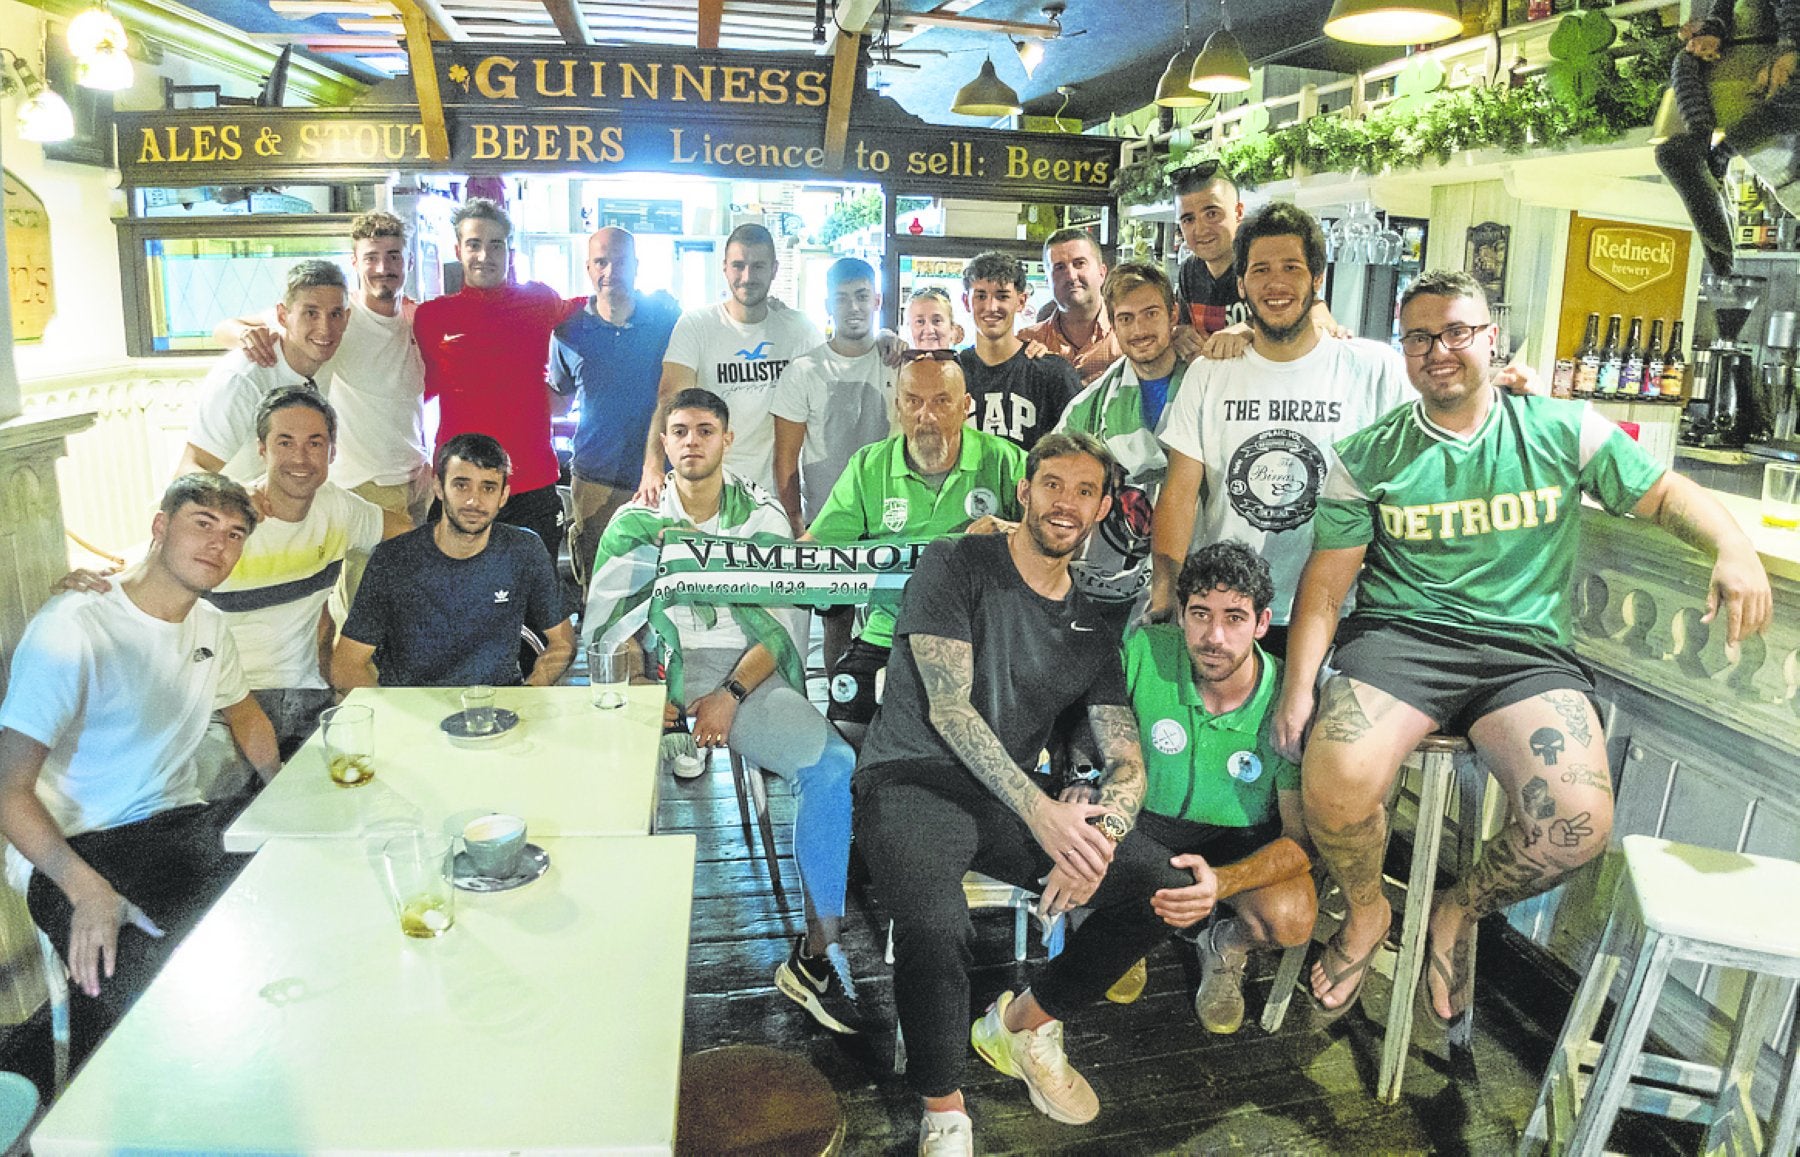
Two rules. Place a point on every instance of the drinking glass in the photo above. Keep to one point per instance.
(1781, 495)
(609, 674)
(418, 871)
(349, 736)
(478, 710)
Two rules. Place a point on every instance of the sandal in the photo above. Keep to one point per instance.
(1357, 968)
(1426, 1008)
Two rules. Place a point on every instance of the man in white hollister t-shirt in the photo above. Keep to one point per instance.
(109, 696)
(1256, 431)
(738, 350)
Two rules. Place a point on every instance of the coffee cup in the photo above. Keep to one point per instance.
(494, 844)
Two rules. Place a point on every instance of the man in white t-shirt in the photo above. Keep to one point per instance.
(109, 697)
(376, 379)
(832, 400)
(312, 316)
(1257, 430)
(738, 350)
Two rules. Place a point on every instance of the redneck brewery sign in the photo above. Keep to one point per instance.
(520, 109)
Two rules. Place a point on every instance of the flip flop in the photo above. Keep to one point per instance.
(1456, 1025)
(1357, 968)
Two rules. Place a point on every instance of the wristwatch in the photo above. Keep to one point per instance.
(1111, 826)
(736, 690)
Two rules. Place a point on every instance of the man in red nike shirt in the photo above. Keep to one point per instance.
(486, 349)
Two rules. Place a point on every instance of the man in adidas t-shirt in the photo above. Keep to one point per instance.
(110, 696)
(1011, 394)
(736, 349)
(1256, 431)
(1461, 512)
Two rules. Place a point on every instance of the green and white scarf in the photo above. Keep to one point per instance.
(1112, 409)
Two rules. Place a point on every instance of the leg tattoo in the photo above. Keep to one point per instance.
(1341, 718)
(1353, 855)
(1572, 706)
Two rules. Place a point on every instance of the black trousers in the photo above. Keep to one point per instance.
(173, 866)
(918, 838)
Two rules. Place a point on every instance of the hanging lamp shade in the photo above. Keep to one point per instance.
(108, 70)
(1221, 65)
(92, 29)
(1173, 90)
(1393, 22)
(47, 118)
(986, 96)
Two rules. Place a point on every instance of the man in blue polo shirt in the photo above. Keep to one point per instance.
(1221, 803)
(612, 353)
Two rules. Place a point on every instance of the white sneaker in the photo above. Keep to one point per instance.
(1036, 1057)
(948, 1134)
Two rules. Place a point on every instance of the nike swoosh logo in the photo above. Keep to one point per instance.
(450, 337)
(1079, 627)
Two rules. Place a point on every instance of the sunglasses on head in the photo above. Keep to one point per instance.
(907, 357)
(1197, 173)
(930, 293)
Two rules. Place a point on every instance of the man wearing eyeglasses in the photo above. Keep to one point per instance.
(1460, 512)
(936, 477)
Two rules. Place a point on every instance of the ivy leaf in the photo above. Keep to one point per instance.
(1416, 83)
(1582, 34)
(1255, 123)
(1572, 83)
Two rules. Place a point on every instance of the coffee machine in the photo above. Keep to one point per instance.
(1722, 411)
(1781, 372)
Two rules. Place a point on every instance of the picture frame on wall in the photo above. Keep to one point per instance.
(1484, 256)
(92, 143)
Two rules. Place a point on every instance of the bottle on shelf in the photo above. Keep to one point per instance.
(1653, 362)
(1631, 360)
(1674, 371)
(1612, 360)
(1587, 359)
(1562, 381)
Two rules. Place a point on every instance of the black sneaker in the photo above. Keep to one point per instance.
(830, 998)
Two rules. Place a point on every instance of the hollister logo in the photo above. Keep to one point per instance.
(1631, 259)
(893, 514)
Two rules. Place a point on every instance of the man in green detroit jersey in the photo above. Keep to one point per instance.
(936, 477)
(1222, 805)
(1461, 512)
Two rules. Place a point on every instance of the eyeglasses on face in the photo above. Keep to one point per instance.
(907, 357)
(1418, 343)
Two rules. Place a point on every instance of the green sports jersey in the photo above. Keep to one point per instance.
(1478, 533)
(880, 497)
(1209, 769)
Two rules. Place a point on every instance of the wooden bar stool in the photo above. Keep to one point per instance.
(1442, 761)
(1679, 902)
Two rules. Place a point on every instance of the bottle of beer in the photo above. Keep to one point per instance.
(1631, 375)
(1562, 381)
(1612, 361)
(1674, 371)
(1587, 359)
(1653, 361)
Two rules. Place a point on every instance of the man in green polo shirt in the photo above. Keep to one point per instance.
(936, 477)
(1221, 801)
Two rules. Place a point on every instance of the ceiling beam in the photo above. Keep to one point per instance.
(443, 25)
(978, 24)
(570, 22)
(423, 67)
(843, 93)
(706, 29)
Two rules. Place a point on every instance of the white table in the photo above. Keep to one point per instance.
(569, 769)
(297, 1018)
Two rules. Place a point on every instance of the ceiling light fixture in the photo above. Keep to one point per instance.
(1173, 89)
(97, 41)
(1221, 65)
(108, 70)
(986, 96)
(1393, 23)
(43, 116)
(92, 28)
(1031, 54)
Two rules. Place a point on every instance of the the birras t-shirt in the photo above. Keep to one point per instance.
(845, 403)
(1481, 532)
(273, 597)
(1021, 398)
(742, 363)
(1033, 658)
(121, 698)
(437, 621)
(1264, 431)
(378, 389)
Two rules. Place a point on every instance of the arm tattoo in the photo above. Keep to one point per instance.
(1116, 732)
(947, 668)
(1341, 717)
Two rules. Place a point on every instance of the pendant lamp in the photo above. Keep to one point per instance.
(1393, 23)
(1173, 89)
(1221, 65)
(986, 96)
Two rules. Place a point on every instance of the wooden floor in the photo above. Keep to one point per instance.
(1165, 1085)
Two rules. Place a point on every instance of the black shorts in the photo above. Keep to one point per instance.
(855, 688)
(1220, 845)
(1455, 676)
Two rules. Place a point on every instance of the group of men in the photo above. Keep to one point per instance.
(1070, 471)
